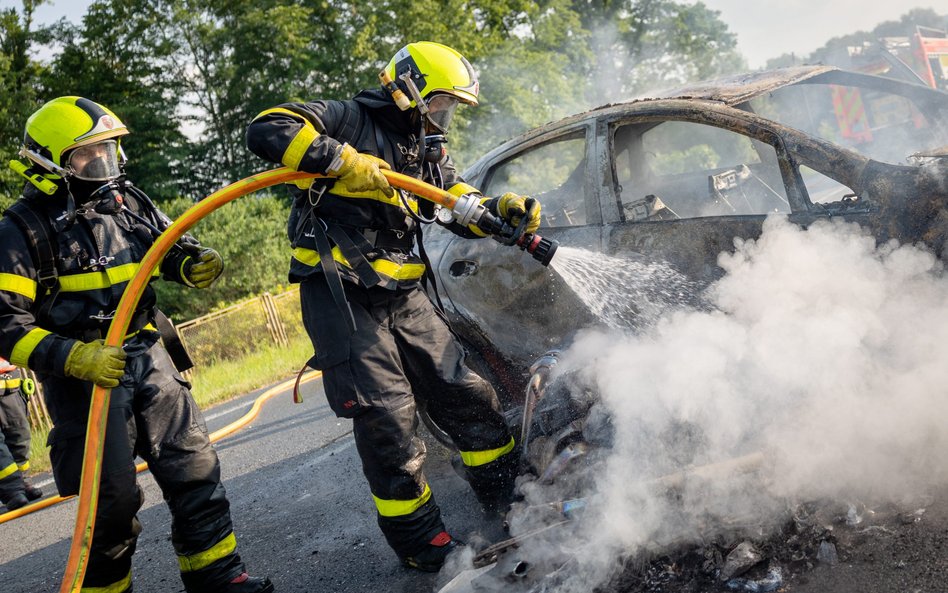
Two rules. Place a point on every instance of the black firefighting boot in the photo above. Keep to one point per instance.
(16, 501)
(11, 489)
(32, 492)
(431, 557)
(245, 583)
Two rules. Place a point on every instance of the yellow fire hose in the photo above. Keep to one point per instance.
(78, 559)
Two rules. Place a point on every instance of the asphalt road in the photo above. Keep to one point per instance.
(302, 511)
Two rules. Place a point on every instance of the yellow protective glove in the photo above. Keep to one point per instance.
(511, 207)
(201, 271)
(96, 362)
(357, 172)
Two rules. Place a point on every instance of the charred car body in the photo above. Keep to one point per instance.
(676, 179)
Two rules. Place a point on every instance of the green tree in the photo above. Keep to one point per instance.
(126, 69)
(18, 88)
(236, 59)
(571, 55)
(250, 234)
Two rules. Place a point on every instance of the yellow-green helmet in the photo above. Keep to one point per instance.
(434, 68)
(64, 124)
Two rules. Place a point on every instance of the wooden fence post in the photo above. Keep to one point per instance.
(274, 324)
(39, 415)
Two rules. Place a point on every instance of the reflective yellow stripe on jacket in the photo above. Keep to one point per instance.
(18, 284)
(476, 458)
(11, 383)
(116, 587)
(99, 280)
(295, 152)
(400, 508)
(223, 548)
(25, 346)
(8, 470)
(384, 267)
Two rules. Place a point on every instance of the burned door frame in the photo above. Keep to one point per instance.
(517, 296)
(691, 245)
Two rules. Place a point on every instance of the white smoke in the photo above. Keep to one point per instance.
(824, 353)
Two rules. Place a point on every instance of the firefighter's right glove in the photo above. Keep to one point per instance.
(512, 207)
(201, 271)
(357, 172)
(96, 362)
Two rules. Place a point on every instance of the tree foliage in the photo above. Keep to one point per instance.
(256, 257)
(122, 67)
(18, 88)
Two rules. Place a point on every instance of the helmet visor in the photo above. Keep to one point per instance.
(441, 111)
(95, 162)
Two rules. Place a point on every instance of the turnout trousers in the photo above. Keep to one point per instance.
(14, 435)
(402, 352)
(151, 414)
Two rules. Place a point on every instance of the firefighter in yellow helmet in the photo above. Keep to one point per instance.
(15, 390)
(378, 339)
(68, 247)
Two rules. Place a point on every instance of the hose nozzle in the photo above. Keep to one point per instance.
(541, 249)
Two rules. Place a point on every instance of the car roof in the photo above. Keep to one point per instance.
(733, 90)
(725, 92)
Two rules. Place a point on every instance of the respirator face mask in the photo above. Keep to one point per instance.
(441, 110)
(96, 170)
(95, 162)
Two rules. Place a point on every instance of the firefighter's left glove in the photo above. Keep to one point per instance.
(203, 269)
(512, 208)
(357, 172)
(96, 362)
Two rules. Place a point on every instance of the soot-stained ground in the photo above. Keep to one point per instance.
(822, 547)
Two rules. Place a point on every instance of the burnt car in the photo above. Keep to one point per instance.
(670, 181)
(675, 178)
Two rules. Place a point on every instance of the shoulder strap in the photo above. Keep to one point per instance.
(352, 123)
(35, 225)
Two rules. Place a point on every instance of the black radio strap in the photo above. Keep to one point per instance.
(331, 270)
(173, 343)
(354, 254)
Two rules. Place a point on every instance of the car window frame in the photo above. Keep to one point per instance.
(585, 129)
(721, 116)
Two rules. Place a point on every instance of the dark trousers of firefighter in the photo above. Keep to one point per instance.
(14, 440)
(403, 349)
(151, 414)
